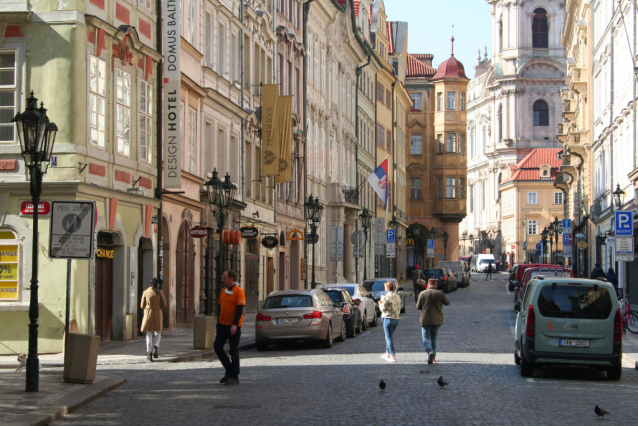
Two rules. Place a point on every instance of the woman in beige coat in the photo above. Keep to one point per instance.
(153, 302)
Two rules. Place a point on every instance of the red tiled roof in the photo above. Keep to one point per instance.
(528, 167)
(451, 68)
(423, 55)
(390, 42)
(417, 68)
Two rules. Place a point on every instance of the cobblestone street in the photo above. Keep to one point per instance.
(304, 384)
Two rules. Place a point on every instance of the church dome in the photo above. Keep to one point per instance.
(450, 68)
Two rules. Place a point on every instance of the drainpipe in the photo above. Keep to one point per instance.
(241, 102)
(306, 11)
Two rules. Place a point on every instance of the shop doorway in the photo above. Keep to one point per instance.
(104, 291)
(145, 274)
(252, 275)
(270, 275)
(185, 276)
(166, 262)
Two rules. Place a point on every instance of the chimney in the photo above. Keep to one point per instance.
(425, 58)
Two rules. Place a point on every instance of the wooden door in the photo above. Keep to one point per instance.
(184, 277)
(166, 263)
(103, 296)
(270, 276)
(252, 282)
(140, 288)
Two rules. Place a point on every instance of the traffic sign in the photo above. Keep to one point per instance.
(336, 244)
(391, 250)
(379, 249)
(430, 243)
(309, 240)
(567, 226)
(567, 239)
(539, 247)
(430, 252)
(567, 251)
(358, 237)
(624, 224)
(624, 245)
(72, 230)
(390, 236)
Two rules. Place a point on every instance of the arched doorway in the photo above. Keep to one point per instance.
(252, 275)
(165, 244)
(185, 276)
(145, 274)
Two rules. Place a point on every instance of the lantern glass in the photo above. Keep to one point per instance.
(211, 188)
(229, 189)
(52, 131)
(366, 218)
(619, 196)
(309, 206)
(318, 211)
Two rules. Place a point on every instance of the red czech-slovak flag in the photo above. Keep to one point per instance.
(379, 181)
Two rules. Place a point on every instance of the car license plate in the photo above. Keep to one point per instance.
(281, 321)
(571, 343)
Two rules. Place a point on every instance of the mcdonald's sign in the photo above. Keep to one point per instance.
(409, 244)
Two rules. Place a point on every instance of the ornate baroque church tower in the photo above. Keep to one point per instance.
(514, 106)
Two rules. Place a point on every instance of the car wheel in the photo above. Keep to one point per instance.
(527, 368)
(342, 336)
(327, 343)
(262, 346)
(403, 307)
(614, 373)
(374, 321)
(517, 359)
(364, 321)
(358, 326)
(350, 329)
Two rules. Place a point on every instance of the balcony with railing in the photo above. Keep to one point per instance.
(569, 109)
(577, 80)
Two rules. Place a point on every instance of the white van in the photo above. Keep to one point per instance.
(460, 270)
(480, 262)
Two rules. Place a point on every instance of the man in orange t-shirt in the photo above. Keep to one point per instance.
(231, 315)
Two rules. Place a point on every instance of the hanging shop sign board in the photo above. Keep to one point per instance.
(72, 230)
(295, 235)
(248, 232)
(310, 240)
(270, 242)
(26, 208)
(199, 232)
(582, 245)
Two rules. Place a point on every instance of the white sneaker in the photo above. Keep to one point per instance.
(384, 357)
(392, 359)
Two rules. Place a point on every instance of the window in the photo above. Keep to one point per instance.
(389, 141)
(471, 199)
(450, 187)
(380, 136)
(10, 277)
(439, 138)
(462, 101)
(97, 100)
(8, 88)
(146, 4)
(439, 101)
(451, 142)
(531, 227)
(462, 188)
(540, 37)
(416, 145)
(451, 100)
(123, 113)
(192, 19)
(415, 189)
(531, 198)
(192, 141)
(461, 144)
(483, 194)
(221, 52)
(439, 187)
(558, 198)
(146, 122)
(416, 101)
(541, 113)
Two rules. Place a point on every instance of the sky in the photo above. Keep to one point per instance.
(430, 28)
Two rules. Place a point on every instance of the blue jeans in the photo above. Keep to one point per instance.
(221, 337)
(389, 325)
(430, 334)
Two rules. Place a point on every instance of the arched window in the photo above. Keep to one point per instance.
(541, 113)
(540, 37)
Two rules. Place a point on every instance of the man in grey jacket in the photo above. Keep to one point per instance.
(430, 303)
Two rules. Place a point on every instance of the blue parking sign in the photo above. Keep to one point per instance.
(390, 236)
(624, 224)
(430, 243)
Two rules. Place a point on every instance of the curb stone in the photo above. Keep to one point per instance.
(67, 404)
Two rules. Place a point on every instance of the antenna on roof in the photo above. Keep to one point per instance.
(452, 40)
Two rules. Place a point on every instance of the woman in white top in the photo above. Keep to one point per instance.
(390, 305)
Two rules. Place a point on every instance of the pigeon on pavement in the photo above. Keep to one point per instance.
(600, 412)
(382, 385)
(442, 382)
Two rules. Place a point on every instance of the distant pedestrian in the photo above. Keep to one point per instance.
(597, 272)
(390, 305)
(488, 275)
(153, 302)
(613, 279)
(417, 275)
(431, 303)
(498, 266)
(231, 315)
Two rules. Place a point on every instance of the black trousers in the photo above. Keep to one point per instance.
(221, 337)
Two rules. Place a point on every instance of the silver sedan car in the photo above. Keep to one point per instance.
(299, 315)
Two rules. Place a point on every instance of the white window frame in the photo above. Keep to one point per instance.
(559, 197)
(450, 188)
(450, 103)
(532, 198)
(192, 141)
(417, 101)
(14, 88)
(122, 145)
(416, 144)
(416, 190)
(532, 227)
(192, 22)
(146, 122)
(94, 127)
(148, 4)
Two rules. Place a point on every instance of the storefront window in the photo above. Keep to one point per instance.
(9, 258)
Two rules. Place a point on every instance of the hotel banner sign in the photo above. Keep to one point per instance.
(172, 137)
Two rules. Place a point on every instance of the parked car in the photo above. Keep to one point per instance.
(480, 262)
(341, 299)
(460, 270)
(441, 277)
(516, 273)
(376, 289)
(298, 315)
(546, 271)
(569, 321)
(362, 299)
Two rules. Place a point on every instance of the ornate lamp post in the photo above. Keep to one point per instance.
(220, 195)
(366, 219)
(558, 229)
(37, 136)
(471, 238)
(544, 239)
(550, 233)
(314, 211)
(619, 197)
(446, 237)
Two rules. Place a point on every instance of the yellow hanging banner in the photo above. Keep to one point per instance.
(284, 118)
(269, 131)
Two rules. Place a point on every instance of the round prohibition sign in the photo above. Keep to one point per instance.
(71, 223)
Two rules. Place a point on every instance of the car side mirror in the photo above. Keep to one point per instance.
(517, 306)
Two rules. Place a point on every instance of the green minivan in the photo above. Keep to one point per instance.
(569, 321)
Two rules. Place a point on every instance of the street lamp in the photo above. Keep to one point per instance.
(366, 220)
(544, 239)
(37, 136)
(220, 195)
(471, 238)
(314, 210)
(446, 237)
(550, 232)
(558, 229)
(619, 197)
